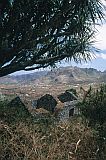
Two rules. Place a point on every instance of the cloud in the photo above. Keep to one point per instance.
(101, 34)
(103, 1)
(101, 55)
(101, 37)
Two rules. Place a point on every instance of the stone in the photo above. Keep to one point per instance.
(47, 102)
(68, 108)
(34, 103)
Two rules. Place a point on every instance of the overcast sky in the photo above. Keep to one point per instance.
(99, 62)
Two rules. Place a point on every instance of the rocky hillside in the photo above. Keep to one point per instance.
(74, 75)
(29, 77)
(71, 75)
(103, 77)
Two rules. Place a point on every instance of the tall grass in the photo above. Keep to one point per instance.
(24, 138)
(65, 141)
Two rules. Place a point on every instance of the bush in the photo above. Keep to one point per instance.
(93, 108)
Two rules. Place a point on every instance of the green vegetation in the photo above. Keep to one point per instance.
(93, 108)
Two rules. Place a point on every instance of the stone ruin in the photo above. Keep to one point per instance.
(62, 107)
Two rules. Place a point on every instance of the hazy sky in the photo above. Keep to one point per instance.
(100, 61)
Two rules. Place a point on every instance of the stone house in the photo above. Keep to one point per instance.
(66, 106)
(66, 110)
(62, 107)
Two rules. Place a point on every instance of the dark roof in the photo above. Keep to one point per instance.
(47, 102)
(16, 111)
(67, 96)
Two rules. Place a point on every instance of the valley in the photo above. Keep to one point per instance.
(32, 86)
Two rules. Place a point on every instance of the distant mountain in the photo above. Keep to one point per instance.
(71, 75)
(62, 75)
(29, 77)
(7, 80)
(103, 77)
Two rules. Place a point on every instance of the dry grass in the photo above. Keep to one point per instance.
(65, 141)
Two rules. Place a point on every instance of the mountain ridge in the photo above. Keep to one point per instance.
(60, 75)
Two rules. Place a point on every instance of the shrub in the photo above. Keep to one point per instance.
(93, 108)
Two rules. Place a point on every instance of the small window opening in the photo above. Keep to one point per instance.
(71, 112)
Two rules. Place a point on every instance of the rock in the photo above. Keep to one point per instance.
(47, 102)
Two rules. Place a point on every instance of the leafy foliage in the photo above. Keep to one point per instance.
(38, 33)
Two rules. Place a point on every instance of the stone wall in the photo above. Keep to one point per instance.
(64, 113)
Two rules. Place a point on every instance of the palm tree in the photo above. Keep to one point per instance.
(37, 33)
